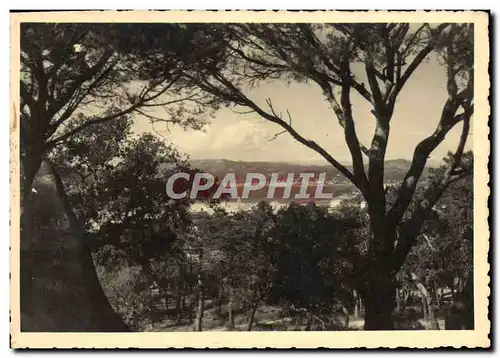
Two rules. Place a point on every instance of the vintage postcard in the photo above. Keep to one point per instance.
(250, 179)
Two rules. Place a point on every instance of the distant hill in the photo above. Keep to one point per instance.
(395, 169)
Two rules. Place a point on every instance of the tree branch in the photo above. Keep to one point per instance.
(376, 165)
(317, 44)
(424, 149)
(276, 135)
(237, 96)
(53, 142)
(72, 102)
(417, 61)
(413, 226)
(411, 229)
(141, 101)
(372, 80)
(457, 157)
(413, 38)
(57, 105)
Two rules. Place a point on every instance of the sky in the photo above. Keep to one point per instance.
(246, 137)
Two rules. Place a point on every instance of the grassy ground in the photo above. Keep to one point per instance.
(264, 316)
(267, 318)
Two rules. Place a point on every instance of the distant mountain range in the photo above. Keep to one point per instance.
(395, 169)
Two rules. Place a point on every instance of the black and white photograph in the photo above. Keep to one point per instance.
(292, 175)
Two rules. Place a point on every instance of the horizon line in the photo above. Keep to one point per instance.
(312, 162)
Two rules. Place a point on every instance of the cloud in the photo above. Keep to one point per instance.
(223, 140)
(243, 136)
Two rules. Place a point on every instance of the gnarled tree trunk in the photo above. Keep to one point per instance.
(378, 316)
(76, 301)
(103, 317)
(31, 161)
(379, 294)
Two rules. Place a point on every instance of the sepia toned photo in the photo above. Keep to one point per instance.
(249, 179)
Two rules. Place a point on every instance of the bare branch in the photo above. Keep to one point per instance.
(276, 135)
(344, 116)
(457, 157)
(414, 37)
(320, 47)
(237, 96)
(256, 61)
(156, 131)
(244, 112)
(150, 116)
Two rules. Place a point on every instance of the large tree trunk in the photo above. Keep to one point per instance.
(31, 161)
(378, 287)
(26, 189)
(378, 315)
(30, 252)
(104, 318)
(379, 296)
(78, 302)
